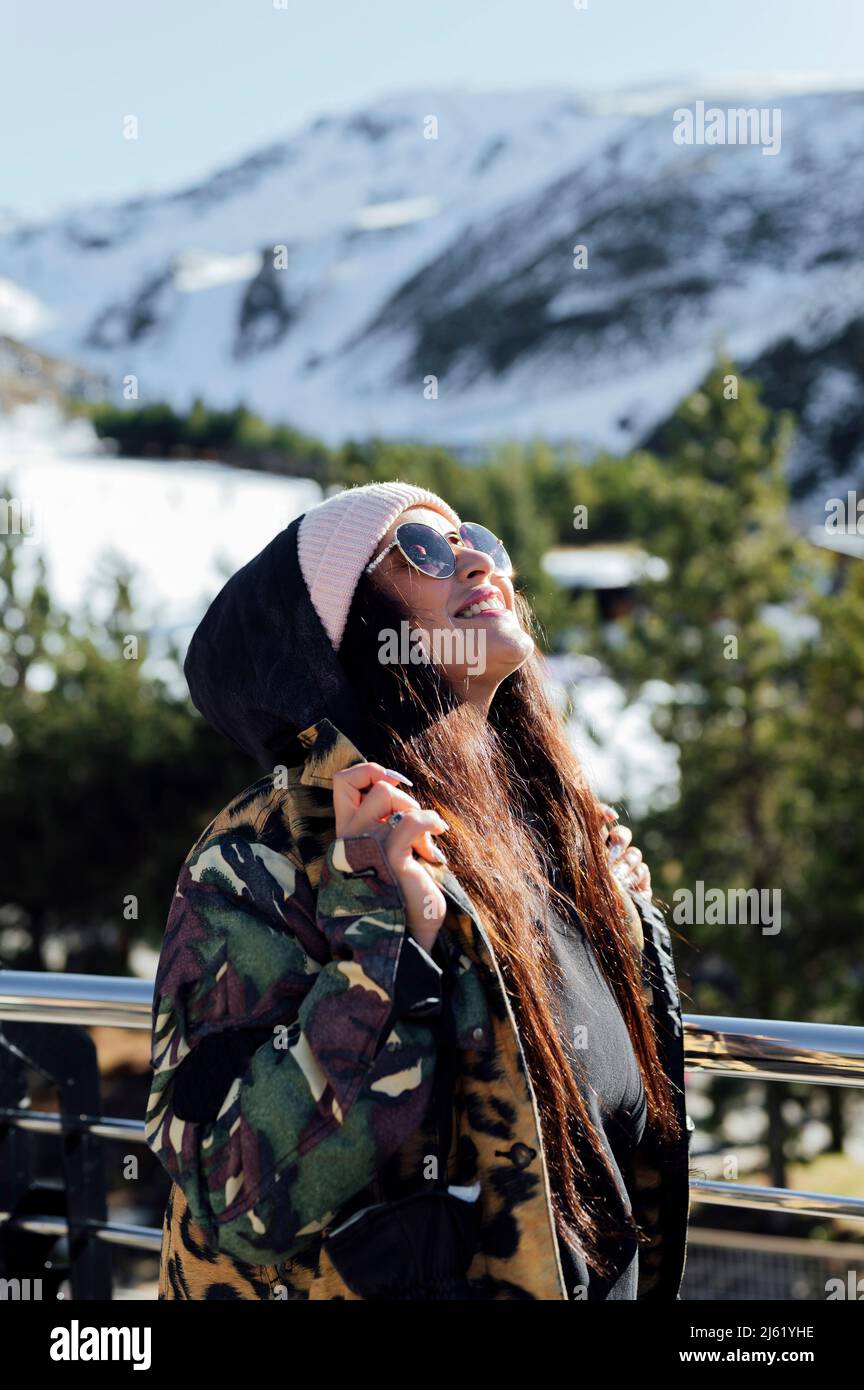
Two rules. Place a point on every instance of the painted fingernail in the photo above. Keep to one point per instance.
(442, 858)
(400, 776)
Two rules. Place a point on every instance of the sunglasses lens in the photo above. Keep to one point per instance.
(479, 538)
(427, 549)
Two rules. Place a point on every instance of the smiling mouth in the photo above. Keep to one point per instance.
(483, 605)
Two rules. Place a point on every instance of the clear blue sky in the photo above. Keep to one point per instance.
(210, 80)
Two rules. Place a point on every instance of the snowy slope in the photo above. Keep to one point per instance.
(409, 257)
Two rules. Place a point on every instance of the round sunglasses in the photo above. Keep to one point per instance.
(432, 554)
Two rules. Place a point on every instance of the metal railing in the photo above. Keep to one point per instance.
(751, 1048)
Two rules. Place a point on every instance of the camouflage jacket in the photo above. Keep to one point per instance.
(292, 1065)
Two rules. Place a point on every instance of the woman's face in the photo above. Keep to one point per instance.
(476, 652)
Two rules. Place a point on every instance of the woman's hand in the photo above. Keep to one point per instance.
(629, 866)
(363, 798)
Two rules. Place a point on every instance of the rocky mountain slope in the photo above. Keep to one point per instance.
(362, 278)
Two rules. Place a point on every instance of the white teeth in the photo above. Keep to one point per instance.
(480, 607)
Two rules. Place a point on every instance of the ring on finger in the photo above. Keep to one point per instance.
(395, 818)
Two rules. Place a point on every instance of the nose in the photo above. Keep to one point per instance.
(470, 562)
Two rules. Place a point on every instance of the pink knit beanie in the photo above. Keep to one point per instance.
(338, 537)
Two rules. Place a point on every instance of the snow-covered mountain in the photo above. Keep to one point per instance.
(326, 278)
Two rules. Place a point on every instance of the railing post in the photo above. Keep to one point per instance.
(65, 1056)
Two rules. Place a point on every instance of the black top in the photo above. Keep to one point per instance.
(596, 1038)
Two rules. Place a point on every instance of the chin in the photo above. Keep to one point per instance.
(506, 652)
(512, 639)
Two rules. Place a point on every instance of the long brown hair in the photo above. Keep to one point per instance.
(524, 825)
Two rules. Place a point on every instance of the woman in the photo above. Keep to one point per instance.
(376, 660)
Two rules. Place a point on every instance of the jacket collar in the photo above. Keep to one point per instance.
(329, 751)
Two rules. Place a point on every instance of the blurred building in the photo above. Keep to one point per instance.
(612, 572)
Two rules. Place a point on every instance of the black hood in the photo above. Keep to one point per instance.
(261, 667)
